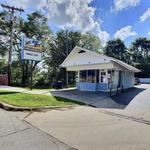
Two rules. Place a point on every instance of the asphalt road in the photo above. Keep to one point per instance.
(16, 134)
(82, 127)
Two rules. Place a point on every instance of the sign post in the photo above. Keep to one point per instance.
(31, 51)
(31, 80)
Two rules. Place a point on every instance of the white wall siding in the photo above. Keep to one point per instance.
(90, 67)
(128, 79)
(85, 59)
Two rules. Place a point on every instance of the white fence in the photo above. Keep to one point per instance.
(144, 80)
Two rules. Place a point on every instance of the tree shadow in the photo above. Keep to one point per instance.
(66, 100)
(90, 98)
(8, 92)
(100, 99)
(127, 96)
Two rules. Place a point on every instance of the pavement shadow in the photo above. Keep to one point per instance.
(95, 99)
(127, 96)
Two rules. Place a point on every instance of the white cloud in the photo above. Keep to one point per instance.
(145, 16)
(149, 33)
(76, 14)
(124, 4)
(104, 37)
(125, 32)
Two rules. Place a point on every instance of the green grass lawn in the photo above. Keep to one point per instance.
(33, 100)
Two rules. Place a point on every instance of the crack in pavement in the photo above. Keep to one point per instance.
(4, 135)
(30, 113)
(52, 138)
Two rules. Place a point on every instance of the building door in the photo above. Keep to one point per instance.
(103, 77)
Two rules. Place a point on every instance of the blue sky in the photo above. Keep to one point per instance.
(112, 21)
(108, 19)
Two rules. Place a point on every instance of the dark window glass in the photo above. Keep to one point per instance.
(83, 76)
(91, 76)
(97, 76)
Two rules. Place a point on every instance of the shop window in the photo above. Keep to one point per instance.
(91, 76)
(88, 76)
(83, 76)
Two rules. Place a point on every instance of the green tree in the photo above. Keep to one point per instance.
(4, 33)
(91, 42)
(115, 48)
(61, 45)
(140, 49)
(35, 27)
(4, 40)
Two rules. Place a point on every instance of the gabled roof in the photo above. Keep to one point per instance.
(98, 56)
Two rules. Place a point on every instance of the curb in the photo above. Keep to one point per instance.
(15, 108)
(132, 118)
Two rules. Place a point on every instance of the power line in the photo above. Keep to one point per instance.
(12, 9)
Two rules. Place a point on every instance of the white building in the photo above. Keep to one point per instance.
(96, 72)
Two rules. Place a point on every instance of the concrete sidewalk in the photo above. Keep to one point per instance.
(26, 90)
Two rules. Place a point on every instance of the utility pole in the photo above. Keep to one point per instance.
(67, 51)
(12, 11)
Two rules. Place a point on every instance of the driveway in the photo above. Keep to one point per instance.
(133, 102)
(136, 102)
(87, 128)
(17, 134)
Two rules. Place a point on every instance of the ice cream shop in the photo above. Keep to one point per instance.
(96, 72)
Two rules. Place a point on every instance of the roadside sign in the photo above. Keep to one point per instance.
(31, 49)
(30, 55)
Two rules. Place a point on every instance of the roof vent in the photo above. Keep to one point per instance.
(82, 51)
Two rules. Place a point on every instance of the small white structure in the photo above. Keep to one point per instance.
(145, 80)
(96, 72)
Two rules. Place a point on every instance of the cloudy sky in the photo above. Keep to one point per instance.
(108, 19)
